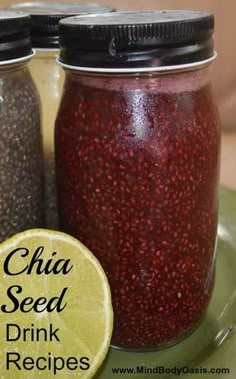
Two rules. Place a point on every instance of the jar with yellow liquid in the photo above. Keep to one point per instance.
(49, 77)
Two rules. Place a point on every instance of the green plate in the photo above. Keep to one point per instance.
(213, 345)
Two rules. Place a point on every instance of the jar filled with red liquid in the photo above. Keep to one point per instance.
(137, 160)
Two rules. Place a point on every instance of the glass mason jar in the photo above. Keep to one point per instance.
(137, 162)
(21, 159)
(49, 77)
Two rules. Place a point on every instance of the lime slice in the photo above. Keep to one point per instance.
(56, 315)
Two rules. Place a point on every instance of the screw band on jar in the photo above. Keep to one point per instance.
(45, 18)
(18, 60)
(160, 69)
(136, 39)
(15, 41)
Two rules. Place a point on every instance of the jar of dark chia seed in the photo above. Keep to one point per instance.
(137, 162)
(21, 174)
(49, 78)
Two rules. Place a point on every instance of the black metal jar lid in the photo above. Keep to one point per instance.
(136, 39)
(46, 16)
(15, 41)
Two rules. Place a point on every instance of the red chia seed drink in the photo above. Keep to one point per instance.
(137, 160)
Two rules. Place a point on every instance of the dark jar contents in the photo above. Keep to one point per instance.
(21, 160)
(137, 159)
(138, 164)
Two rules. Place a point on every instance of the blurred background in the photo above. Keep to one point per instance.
(223, 71)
